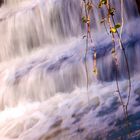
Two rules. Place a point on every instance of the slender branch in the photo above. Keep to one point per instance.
(127, 64)
(125, 106)
(122, 18)
(86, 51)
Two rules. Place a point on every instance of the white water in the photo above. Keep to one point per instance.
(42, 55)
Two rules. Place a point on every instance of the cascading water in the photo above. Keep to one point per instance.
(42, 55)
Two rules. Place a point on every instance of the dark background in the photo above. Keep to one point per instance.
(138, 4)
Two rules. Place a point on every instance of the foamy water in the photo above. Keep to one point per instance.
(43, 93)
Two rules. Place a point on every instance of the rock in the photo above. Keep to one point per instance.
(57, 123)
(137, 91)
(93, 104)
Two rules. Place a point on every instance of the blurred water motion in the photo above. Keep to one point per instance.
(42, 54)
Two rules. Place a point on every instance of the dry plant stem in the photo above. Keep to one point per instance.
(88, 36)
(127, 65)
(86, 51)
(106, 29)
(122, 22)
(122, 18)
(125, 107)
(103, 22)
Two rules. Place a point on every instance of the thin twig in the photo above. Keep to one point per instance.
(125, 106)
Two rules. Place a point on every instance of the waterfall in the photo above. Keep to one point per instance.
(43, 52)
(32, 36)
(30, 26)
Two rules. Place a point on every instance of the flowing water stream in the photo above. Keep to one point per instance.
(42, 72)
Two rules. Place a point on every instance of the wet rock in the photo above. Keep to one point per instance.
(29, 124)
(108, 109)
(137, 91)
(57, 123)
(93, 104)
(55, 134)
